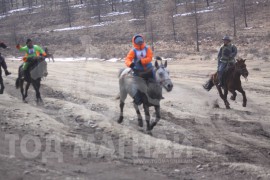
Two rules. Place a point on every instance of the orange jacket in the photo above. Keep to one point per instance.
(131, 54)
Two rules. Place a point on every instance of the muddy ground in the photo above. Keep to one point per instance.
(74, 134)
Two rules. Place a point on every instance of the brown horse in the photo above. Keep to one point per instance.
(232, 82)
(48, 55)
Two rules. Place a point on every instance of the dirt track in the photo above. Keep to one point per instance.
(193, 140)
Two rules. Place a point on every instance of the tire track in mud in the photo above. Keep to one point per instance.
(224, 124)
(192, 133)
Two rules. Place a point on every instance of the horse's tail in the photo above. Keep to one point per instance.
(209, 84)
(17, 83)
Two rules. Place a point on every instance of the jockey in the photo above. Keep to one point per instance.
(226, 55)
(2, 60)
(31, 52)
(139, 60)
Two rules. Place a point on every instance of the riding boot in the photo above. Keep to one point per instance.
(220, 82)
(7, 72)
(137, 98)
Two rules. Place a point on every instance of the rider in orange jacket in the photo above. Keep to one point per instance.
(139, 60)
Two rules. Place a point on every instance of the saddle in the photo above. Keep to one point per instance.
(229, 68)
(37, 68)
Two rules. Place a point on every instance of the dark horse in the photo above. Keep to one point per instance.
(232, 82)
(48, 55)
(37, 69)
(2, 87)
(151, 91)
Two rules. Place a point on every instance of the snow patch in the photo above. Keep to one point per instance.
(111, 14)
(113, 60)
(247, 28)
(78, 6)
(82, 27)
(191, 13)
(131, 20)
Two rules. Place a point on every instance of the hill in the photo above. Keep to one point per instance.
(169, 26)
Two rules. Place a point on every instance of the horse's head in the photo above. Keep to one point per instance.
(162, 75)
(241, 67)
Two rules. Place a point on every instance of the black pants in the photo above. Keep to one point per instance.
(3, 62)
(148, 75)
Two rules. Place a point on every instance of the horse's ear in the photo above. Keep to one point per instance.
(156, 64)
(165, 64)
(245, 60)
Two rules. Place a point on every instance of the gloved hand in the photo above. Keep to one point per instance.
(139, 61)
(7, 72)
(132, 65)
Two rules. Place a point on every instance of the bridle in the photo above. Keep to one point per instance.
(163, 80)
(241, 70)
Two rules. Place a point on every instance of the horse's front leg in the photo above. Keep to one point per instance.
(227, 104)
(22, 90)
(234, 94)
(223, 96)
(1, 84)
(147, 116)
(26, 90)
(121, 117)
(140, 121)
(244, 96)
(157, 109)
(36, 85)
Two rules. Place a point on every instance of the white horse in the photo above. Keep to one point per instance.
(151, 91)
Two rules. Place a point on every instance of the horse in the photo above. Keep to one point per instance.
(2, 87)
(232, 82)
(49, 55)
(37, 69)
(151, 91)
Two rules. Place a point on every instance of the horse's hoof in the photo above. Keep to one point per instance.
(153, 125)
(40, 102)
(149, 133)
(120, 120)
(140, 124)
(25, 101)
(1, 91)
(228, 107)
(244, 105)
(232, 98)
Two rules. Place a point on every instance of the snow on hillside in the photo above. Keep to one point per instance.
(83, 27)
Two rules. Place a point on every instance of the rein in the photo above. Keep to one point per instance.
(240, 70)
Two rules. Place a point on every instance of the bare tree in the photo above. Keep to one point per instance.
(94, 8)
(234, 18)
(139, 8)
(170, 10)
(30, 5)
(245, 12)
(66, 12)
(113, 5)
(194, 22)
(5, 6)
(207, 2)
(196, 25)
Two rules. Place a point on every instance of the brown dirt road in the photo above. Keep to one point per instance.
(193, 140)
